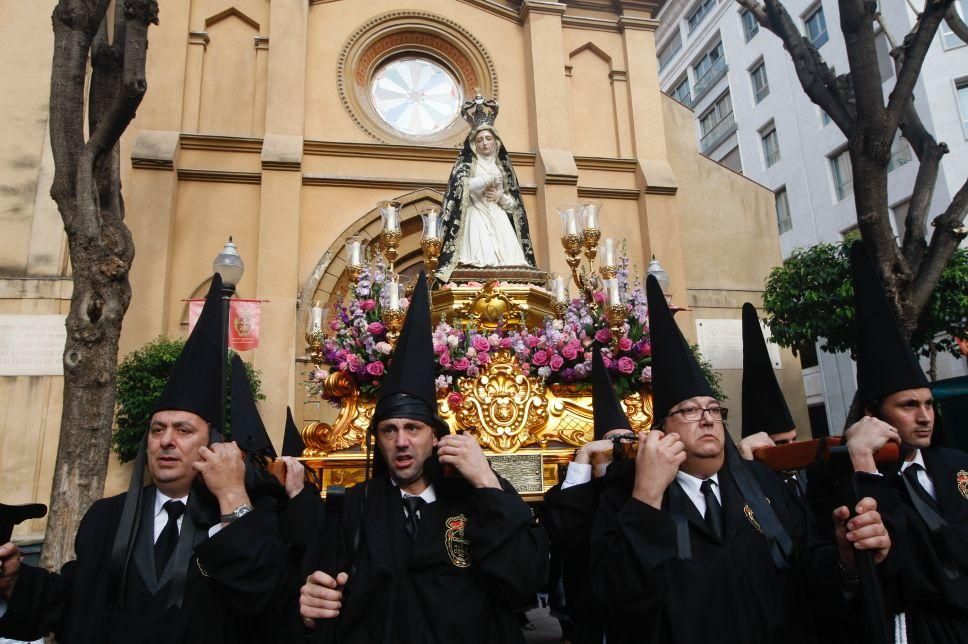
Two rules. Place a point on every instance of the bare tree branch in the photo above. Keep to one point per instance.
(949, 232)
(956, 24)
(816, 77)
(929, 153)
(915, 46)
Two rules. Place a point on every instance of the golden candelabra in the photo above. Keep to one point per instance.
(393, 319)
(390, 242)
(431, 248)
(580, 235)
(314, 339)
(616, 315)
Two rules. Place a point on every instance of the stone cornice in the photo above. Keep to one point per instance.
(588, 192)
(215, 143)
(594, 24)
(219, 176)
(398, 152)
(389, 183)
(541, 6)
(499, 9)
(606, 163)
(644, 24)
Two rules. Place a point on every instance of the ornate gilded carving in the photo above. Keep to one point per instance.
(507, 408)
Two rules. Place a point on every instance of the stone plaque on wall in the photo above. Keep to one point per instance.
(721, 343)
(522, 470)
(32, 345)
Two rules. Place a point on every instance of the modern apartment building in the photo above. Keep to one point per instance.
(753, 117)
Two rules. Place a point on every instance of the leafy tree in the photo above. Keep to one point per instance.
(810, 298)
(910, 268)
(141, 379)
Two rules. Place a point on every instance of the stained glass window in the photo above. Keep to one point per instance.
(416, 96)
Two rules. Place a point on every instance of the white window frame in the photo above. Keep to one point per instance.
(961, 101)
(948, 39)
(843, 188)
(752, 28)
(699, 12)
(783, 223)
(770, 159)
(823, 36)
(901, 153)
(717, 109)
(675, 88)
(675, 45)
(759, 93)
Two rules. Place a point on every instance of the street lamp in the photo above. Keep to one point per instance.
(659, 273)
(230, 266)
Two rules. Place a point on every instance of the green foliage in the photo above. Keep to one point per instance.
(141, 379)
(712, 377)
(810, 297)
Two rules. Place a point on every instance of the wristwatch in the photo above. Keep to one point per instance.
(237, 513)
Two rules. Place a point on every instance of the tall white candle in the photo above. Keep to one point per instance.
(394, 299)
(355, 250)
(315, 319)
(606, 252)
(614, 296)
(571, 223)
(591, 216)
(431, 231)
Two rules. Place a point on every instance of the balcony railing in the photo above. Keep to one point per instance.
(717, 134)
(712, 75)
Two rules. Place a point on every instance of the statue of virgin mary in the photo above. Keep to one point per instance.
(482, 215)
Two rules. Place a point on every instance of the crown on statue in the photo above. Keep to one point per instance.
(478, 112)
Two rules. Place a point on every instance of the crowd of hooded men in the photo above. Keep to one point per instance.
(676, 535)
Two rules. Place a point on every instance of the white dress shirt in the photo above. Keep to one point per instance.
(161, 516)
(577, 474)
(690, 484)
(923, 477)
(428, 495)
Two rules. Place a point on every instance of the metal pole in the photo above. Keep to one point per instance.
(227, 292)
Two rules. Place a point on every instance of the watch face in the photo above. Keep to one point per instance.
(415, 96)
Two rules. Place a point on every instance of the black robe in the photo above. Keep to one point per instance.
(936, 606)
(243, 574)
(478, 557)
(569, 516)
(730, 591)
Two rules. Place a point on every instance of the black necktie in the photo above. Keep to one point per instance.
(412, 505)
(911, 474)
(168, 538)
(714, 511)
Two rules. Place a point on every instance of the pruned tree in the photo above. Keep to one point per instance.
(911, 267)
(87, 191)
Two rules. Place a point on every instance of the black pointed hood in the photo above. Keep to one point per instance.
(409, 389)
(885, 361)
(764, 408)
(292, 442)
(193, 382)
(676, 375)
(248, 430)
(607, 410)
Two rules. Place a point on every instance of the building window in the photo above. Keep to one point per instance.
(416, 96)
(842, 175)
(733, 161)
(962, 89)
(670, 49)
(885, 64)
(948, 38)
(703, 9)
(771, 146)
(761, 86)
(816, 27)
(783, 219)
(900, 212)
(750, 26)
(716, 123)
(681, 92)
(808, 355)
(900, 153)
(824, 118)
(710, 68)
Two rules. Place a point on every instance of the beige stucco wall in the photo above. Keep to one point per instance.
(244, 133)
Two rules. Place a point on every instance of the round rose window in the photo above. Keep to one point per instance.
(415, 96)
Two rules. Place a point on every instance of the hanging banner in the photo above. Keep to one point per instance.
(245, 317)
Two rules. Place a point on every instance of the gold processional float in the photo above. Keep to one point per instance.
(515, 360)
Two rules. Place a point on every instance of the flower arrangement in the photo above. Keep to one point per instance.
(557, 352)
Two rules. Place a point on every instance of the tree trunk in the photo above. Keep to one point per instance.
(87, 190)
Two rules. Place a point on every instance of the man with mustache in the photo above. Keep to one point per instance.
(428, 558)
(190, 557)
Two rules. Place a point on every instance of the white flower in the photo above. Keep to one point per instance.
(383, 347)
(452, 341)
(471, 352)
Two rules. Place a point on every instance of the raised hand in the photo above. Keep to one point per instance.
(656, 465)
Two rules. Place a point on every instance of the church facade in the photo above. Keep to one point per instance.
(264, 120)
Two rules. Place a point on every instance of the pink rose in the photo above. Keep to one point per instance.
(461, 364)
(526, 367)
(570, 351)
(505, 343)
(495, 340)
(335, 324)
(540, 357)
(367, 305)
(556, 362)
(455, 400)
(532, 341)
(599, 297)
(375, 368)
(483, 357)
(645, 348)
(440, 347)
(624, 343)
(375, 328)
(354, 363)
(444, 359)
(603, 335)
(626, 364)
(480, 343)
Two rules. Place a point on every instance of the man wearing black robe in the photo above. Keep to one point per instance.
(570, 506)
(693, 544)
(188, 558)
(430, 559)
(931, 595)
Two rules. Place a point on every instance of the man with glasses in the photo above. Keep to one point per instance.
(694, 544)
